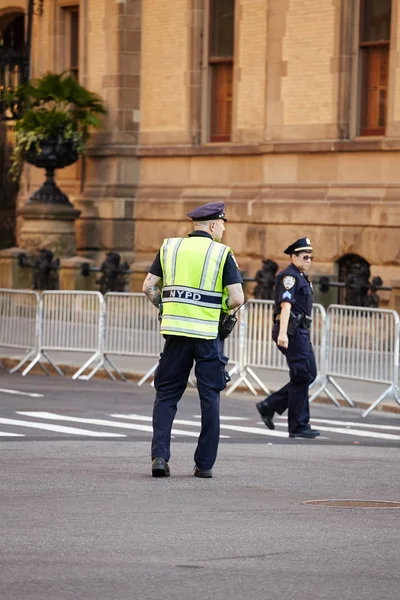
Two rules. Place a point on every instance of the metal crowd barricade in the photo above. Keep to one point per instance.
(132, 329)
(258, 350)
(19, 323)
(244, 330)
(70, 322)
(363, 345)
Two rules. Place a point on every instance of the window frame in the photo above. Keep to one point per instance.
(363, 48)
(212, 62)
(68, 10)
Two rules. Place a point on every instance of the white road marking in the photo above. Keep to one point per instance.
(355, 432)
(102, 422)
(4, 434)
(354, 424)
(239, 428)
(224, 418)
(18, 393)
(364, 425)
(57, 428)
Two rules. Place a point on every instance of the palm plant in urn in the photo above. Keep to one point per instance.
(58, 116)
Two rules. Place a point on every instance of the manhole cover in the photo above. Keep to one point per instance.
(354, 503)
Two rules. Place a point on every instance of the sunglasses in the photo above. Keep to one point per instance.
(307, 257)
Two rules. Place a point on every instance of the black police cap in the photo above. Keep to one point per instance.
(302, 245)
(208, 212)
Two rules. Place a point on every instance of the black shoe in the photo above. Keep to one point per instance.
(205, 473)
(306, 433)
(266, 413)
(159, 467)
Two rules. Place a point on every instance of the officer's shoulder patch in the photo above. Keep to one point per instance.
(234, 259)
(288, 282)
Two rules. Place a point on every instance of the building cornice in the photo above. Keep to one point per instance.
(279, 147)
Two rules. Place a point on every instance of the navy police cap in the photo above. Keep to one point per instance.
(302, 245)
(208, 212)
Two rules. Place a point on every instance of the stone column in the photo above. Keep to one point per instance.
(49, 226)
(12, 276)
(111, 171)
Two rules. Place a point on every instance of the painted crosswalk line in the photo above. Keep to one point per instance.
(355, 424)
(226, 418)
(18, 393)
(103, 422)
(57, 428)
(97, 427)
(238, 428)
(354, 432)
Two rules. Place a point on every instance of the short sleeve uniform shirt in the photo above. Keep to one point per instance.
(292, 286)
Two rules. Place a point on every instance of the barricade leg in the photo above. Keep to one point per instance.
(100, 364)
(243, 379)
(27, 357)
(148, 374)
(53, 364)
(341, 392)
(323, 388)
(32, 364)
(391, 390)
(91, 360)
(45, 371)
(235, 369)
(114, 367)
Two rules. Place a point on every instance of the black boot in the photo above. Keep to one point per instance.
(266, 413)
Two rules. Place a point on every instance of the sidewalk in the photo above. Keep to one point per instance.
(363, 394)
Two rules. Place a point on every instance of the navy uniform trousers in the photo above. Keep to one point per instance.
(170, 381)
(303, 371)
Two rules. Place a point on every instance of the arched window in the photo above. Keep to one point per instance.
(357, 268)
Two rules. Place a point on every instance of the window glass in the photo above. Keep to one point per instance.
(221, 27)
(375, 18)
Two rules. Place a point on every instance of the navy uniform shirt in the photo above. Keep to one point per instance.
(230, 274)
(293, 286)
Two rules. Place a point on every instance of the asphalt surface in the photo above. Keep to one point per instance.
(82, 518)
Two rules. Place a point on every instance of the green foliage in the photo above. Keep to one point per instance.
(54, 105)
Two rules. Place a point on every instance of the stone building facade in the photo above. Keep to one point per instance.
(99, 42)
(287, 110)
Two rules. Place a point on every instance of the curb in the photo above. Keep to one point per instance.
(9, 363)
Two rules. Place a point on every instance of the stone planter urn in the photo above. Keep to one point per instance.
(48, 214)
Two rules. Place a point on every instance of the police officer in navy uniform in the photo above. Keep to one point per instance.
(291, 333)
(193, 279)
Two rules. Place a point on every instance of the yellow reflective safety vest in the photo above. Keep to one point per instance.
(192, 293)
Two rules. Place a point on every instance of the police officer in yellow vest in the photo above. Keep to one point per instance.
(193, 279)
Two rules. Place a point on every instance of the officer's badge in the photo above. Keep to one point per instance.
(288, 282)
(308, 241)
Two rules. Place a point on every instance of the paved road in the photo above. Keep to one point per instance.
(39, 408)
(81, 517)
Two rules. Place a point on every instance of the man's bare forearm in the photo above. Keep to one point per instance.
(153, 294)
(151, 288)
(235, 295)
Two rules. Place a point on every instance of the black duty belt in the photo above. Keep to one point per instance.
(303, 321)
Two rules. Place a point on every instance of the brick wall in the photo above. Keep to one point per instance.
(165, 65)
(250, 70)
(308, 48)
